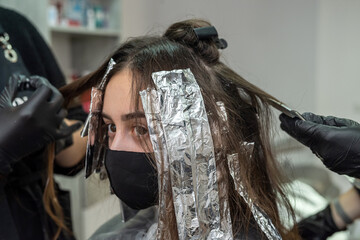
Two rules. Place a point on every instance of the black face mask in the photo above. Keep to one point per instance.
(132, 178)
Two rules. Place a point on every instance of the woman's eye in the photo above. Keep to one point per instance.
(111, 128)
(140, 131)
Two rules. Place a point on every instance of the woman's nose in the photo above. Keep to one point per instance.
(118, 142)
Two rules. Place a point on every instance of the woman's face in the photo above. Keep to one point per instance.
(126, 128)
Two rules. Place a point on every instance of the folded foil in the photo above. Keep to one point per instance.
(263, 221)
(260, 216)
(185, 136)
(151, 105)
(95, 151)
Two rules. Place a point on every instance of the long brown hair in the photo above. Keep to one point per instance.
(246, 122)
(251, 121)
(50, 199)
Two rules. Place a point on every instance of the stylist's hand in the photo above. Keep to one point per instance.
(335, 140)
(320, 225)
(29, 127)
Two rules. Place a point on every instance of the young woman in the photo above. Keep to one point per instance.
(185, 89)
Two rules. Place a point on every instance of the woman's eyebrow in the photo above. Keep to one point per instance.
(132, 115)
(104, 115)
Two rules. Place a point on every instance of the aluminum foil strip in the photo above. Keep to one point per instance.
(179, 161)
(222, 113)
(94, 150)
(191, 156)
(206, 175)
(151, 104)
(104, 80)
(260, 216)
(223, 185)
(100, 86)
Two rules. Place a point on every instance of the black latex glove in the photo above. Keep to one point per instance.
(318, 226)
(63, 143)
(335, 140)
(29, 127)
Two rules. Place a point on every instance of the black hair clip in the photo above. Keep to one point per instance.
(205, 33)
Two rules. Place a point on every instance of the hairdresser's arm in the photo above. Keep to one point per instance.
(328, 221)
(350, 203)
(73, 154)
(335, 140)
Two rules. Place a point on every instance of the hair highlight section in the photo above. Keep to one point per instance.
(190, 152)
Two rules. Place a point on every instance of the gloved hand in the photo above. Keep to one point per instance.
(318, 226)
(29, 127)
(335, 140)
(63, 143)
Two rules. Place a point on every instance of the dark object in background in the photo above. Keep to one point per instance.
(22, 213)
(319, 226)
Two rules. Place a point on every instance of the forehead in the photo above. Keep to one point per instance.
(118, 95)
(121, 81)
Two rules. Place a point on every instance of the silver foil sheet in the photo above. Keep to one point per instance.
(260, 217)
(263, 221)
(95, 150)
(105, 79)
(223, 183)
(151, 105)
(100, 86)
(190, 152)
(92, 159)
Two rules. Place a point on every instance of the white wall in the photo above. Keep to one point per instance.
(272, 43)
(35, 14)
(338, 59)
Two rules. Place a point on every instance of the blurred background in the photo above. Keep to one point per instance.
(304, 52)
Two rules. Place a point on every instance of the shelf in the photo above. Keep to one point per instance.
(85, 31)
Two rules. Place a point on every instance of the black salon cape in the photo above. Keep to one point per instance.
(22, 214)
